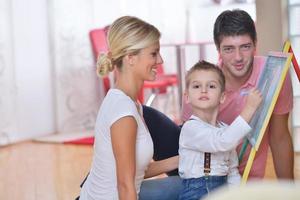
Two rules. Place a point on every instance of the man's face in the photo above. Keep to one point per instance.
(237, 54)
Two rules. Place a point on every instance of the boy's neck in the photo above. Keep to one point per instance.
(208, 116)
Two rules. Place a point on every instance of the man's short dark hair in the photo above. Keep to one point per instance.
(233, 23)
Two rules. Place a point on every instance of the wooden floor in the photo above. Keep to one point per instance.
(41, 171)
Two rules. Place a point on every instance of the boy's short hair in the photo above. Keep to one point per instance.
(205, 66)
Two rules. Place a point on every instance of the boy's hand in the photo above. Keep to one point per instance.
(253, 101)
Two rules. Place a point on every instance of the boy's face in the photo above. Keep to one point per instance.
(204, 91)
(237, 53)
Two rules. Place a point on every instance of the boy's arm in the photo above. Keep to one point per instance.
(198, 137)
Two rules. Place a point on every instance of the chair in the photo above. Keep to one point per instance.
(99, 45)
(159, 86)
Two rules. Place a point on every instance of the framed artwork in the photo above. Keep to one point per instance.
(270, 82)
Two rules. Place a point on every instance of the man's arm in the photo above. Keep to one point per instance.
(281, 146)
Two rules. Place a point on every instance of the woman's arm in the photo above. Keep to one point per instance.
(158, 167)
(123, 136)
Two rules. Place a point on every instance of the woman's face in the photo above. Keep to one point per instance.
(147, 61)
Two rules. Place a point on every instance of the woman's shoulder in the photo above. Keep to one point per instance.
(115, 106)
(118, 98)
(117, 101)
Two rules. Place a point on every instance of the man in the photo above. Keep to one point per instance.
(235, 39)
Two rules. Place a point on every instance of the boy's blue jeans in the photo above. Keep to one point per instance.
(197, 188)
(167, 188)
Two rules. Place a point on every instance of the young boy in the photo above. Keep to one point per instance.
(207, 156)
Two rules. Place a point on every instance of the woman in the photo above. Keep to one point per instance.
(123, 146)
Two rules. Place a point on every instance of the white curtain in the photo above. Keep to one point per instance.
(7, 78)
(77, 91)
(26, 103)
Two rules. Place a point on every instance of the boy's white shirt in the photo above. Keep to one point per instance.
(198, 137)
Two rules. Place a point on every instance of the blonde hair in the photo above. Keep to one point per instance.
(127, 35)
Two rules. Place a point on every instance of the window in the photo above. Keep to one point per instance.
(294, 35)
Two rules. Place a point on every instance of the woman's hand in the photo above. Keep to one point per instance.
(158, 167)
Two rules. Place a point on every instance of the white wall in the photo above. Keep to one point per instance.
(271, 35)
(47, 73)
